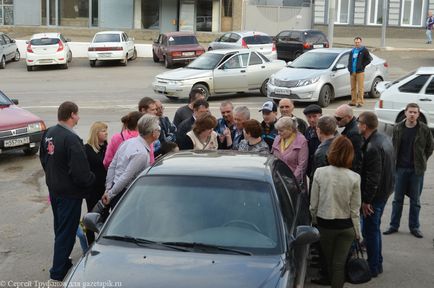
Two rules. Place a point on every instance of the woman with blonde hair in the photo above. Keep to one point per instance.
(95, 151)
(203, 136)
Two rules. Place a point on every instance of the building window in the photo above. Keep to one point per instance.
(150, 14)
(375, 8)
(94, 13)
(227, 8)
(6, 12)
(412, 13)
(342, 11)
(204, 15)
(74, 13)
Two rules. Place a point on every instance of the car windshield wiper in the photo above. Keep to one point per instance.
(208, 247)
(305, 67)
(142, 242)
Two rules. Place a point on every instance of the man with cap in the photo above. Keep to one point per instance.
(269, 114)
(312, 112)
(286, 107)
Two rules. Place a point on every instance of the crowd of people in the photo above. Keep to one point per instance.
(349, 175)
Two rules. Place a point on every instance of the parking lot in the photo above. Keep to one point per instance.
(106, 93)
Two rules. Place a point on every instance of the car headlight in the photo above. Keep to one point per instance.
(306, 82)
(271, 80)
(35, 127)
(174, 82)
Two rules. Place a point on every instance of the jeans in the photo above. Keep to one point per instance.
(83, 240)
(410, 184)
(428, 36)
(372, 234)
(66, 212)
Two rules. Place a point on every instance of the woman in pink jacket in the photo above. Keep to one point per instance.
(290, 146)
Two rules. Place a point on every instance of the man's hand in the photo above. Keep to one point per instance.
(105, 198)
(367, 209)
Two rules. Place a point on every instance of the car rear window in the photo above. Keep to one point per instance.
(182, 40)
(258, 39)
(315, 37)
(44, 41)
(107, 38)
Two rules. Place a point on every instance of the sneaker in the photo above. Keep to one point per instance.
(351, 104)
(416, 233)
(390, 231)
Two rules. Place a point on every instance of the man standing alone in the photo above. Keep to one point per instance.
(68, 178)
(358, 59)
(428, 26)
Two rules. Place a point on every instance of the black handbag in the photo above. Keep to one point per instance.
(357, 267)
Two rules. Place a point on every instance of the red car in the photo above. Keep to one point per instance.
(19, 129)
(176, 47)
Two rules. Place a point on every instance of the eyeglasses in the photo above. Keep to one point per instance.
(338, 118)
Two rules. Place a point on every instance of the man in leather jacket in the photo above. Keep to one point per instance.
(377, 183)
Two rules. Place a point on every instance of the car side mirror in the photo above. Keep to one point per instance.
(306, 235)
(339, 67)
(68, 39)
(15, 101)
(12, 40)
(92, 222)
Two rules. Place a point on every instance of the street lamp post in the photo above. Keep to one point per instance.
(384, 24)
(331, 21)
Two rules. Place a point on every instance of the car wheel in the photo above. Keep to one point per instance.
(65, 66)
(31, 151)
(155, 57)
(125, 61)
(167, 62)
(69, 57)
(3, 63)
(203, 88)
(325, 96)
(263, 89)
(17, 56)
(92, 63)
(209, 48)
(134, 54)
(29, 68)
(374, 93)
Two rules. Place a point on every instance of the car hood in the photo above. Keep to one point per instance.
(287, 74)
(142, 267)
(14, 117)
(184, 74)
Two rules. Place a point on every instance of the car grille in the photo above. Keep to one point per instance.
(13, 132)
(161, 81)
(288, 84)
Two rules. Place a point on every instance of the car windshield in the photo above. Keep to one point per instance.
(99, 38)
(258, 39)
(207, 61)
(4, 100)
(314, 60)
(182, 40)
(44, 41)
(208, 211)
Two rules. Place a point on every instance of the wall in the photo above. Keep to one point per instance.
(27, 12)
(116, 14)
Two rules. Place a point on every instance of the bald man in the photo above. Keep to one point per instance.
(344, 116)
(286, 107)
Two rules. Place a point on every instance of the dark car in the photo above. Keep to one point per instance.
(204, 219)
(19, 129)
(176, 47)
(292, 43)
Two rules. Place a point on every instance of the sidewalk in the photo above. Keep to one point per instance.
(392, 44)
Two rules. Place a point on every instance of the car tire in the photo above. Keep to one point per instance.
(209, 48)
(155, 57)
(167, 63)
(30, 68)
(325, 96)
(31, 151)
(263, 88)
(134, 54)
(65, 66)
(92, 63)
(3, 63)
(373, 93)
(17, 56)
(204, 89)
(125, 61)
(69, 60)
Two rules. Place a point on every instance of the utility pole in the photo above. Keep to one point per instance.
(331, 21)
(384, 24)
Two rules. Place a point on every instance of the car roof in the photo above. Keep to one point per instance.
(250, 33)
(220, 163)
(328, 50)
(425, 70)
(45, 35)
(110, 32)
(179, 33)
(226, 51)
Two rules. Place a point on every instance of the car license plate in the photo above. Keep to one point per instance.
(318, 46)
(283, 91)
(105, 55)
(17, 142)
(45, 61)
(187, 53)
(160, 88)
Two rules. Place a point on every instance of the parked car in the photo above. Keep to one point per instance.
(415, 87)
(19, 129)
(292, 43)
(219, 72)
(254, 40)
(321, 75)
(240, 221)
(8, 50)
(176, 47)
(48, 49)
(110, 46)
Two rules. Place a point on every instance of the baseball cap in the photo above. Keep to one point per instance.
(269, 106)
(312, 108)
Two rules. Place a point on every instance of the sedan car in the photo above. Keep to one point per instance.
(416, 87)
(219, 72)
(111, 45)
(257, 41)
(19, 129)
(321, 75)
(8, 50)
(176, 47)
(238, 222)
(48, 49)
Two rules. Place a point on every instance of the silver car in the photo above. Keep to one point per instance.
(8, 50)
(219, 72)
(257, 41)
(321, 76)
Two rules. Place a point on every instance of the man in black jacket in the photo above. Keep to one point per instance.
(68, 178)
(377, 182)
(200, 107)
(358, 59)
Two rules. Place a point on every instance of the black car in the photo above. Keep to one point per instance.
(204, 219)
(292, 43)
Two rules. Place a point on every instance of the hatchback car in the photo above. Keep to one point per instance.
(176, 47)
(207, 218)
(321, 75)
(111, 45)
(48, 49)
(254, 40)
(292, 43)
(416, 87)
(8, 50)
(19, 129)
(219, 72)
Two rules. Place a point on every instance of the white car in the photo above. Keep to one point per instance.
(111, 45)
(416, 87)
(321, 75)
(48, 49)
(219, 72)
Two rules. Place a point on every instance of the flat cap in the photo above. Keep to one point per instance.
(312, 108)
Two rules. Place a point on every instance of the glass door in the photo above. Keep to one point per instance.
(375, 12)
(412, 13)
(186, 15)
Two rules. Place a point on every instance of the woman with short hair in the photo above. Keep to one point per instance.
(203, 136)
(253, 141)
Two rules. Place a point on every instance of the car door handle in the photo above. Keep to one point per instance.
(262, 67)
(243, 71)
(425, 99)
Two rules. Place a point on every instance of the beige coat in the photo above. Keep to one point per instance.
(197, 145)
